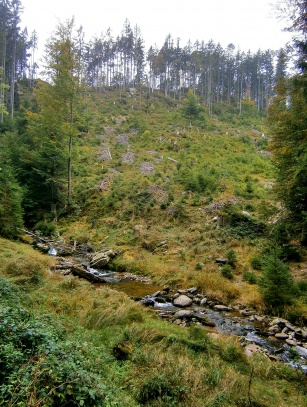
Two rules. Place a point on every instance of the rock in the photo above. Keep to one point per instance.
(291, 342)
(220, 307)
(281, 336)
(203, 301)
(300, 333)
(103, 258)
(273, 330)
(279, 321)
(251, 349)
(221, 261)
(192, 290)
(204, 320)
(247, 313)
(147, 301)
(82, 272)
(182, 301)
(301, 351)
(42, 247)
(184, 314)
(290, 327)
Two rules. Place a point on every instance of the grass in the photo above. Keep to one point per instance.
(204, 171)
(166, 365)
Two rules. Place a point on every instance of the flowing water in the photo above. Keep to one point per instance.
(227, 322)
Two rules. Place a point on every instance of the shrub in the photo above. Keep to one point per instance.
(256, 263)
(231, 258)
(250, 277)
(226, 271)
(45, 228)
(38, 367)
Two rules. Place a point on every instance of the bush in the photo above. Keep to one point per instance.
(231, 258)
(45, 228)
(250, 277)
(37, 365)
(256, 263)
(226, 271)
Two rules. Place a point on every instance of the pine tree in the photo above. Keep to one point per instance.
(52, 128)
(276, 283)
(288, 119)
(10, 198)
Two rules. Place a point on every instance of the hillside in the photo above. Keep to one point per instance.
(177, 195)
(147, 175)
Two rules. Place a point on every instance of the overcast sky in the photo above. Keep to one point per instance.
(248, 24)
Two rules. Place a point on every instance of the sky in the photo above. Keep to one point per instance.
(247, 24)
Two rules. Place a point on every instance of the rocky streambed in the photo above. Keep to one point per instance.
(275, 337)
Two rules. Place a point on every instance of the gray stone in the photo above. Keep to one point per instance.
(301, 351)
(220, 307)
(247, 312)
(273, 330)
(182, 301)
(103, 258)
(203, 301)
(205, 321)
(184, 314)
(291, 342)
(281, 336)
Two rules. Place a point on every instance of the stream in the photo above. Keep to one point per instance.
(287, 343)
(248, 328)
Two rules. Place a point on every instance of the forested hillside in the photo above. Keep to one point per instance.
(188, 165)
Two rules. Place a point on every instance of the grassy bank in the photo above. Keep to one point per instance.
(63, 341)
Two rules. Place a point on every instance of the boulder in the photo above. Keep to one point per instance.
(281, 335)
(182, 301)
(184, 314)
(103, 258)
(301, 351)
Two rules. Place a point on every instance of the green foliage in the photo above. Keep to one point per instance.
(289, 145)
(37, 365)
(227, 271)
(242, 226)
(168, 390)
(191, 108)
(199, 181)
(276, 283)
(10, 199)
(45, 228)
(256, 262)
(249, 277)
(231, 258)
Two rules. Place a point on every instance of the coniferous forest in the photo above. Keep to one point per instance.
(153, 219)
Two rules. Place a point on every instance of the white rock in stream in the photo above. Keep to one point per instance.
(182, 301)
(301, 351)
